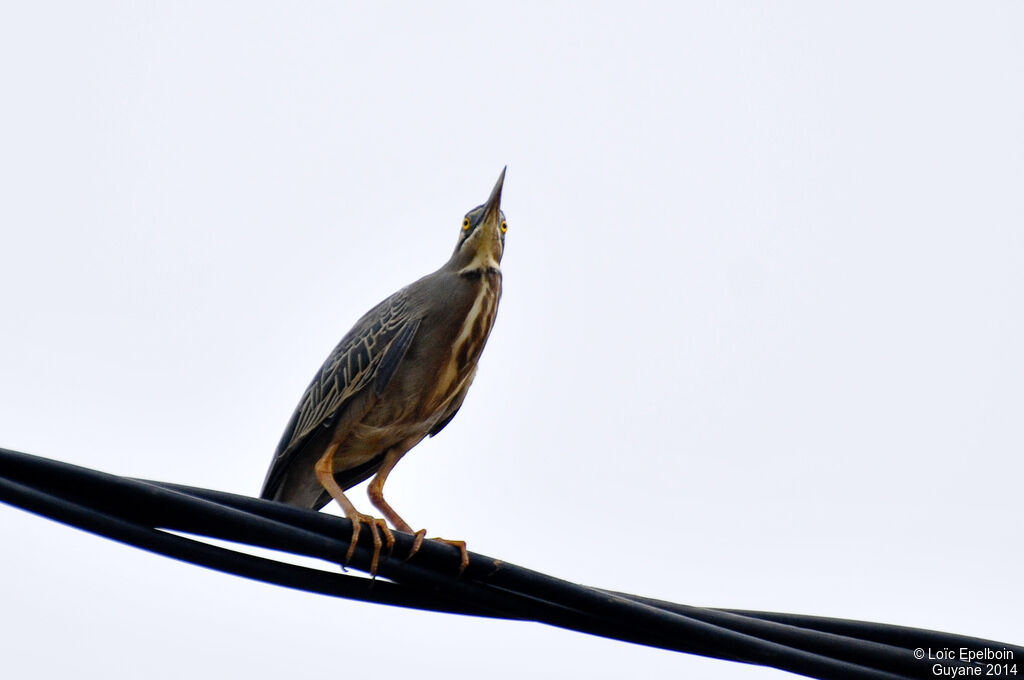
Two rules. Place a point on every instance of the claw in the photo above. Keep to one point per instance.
(461, 545)
(376, 526)
(389, 537)
(379, 525)
(356, 525)
(417, 542)
(464, 554)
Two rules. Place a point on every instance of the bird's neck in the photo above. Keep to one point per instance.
(483, 260)
(478, 255)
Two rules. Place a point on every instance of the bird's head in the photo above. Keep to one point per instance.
(482, 235)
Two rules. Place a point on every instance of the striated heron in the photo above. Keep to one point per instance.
(398, 376)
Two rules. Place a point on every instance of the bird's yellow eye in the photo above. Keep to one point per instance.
(504, 226)
(465, 224)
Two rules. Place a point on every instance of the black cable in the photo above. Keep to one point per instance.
(138, 494)
(902, 636)
(138, 513)
(134, 498)
(846, 649)
(847, 640)
(221, 559)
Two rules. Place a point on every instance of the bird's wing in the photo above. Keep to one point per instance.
(370, 353)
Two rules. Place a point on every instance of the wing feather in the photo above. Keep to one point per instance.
(369, 353)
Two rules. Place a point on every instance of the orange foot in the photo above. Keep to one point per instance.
(377, 526)
(461, 545)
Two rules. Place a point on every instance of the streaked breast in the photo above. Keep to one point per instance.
(472, 336)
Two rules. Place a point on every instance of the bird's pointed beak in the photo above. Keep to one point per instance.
(492, 208)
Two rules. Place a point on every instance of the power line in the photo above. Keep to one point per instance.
(144, 513)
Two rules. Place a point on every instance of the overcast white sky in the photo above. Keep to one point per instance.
(762, 310)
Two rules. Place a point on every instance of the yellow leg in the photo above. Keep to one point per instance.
(376, 494)
(376, 491)
(324, 469)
